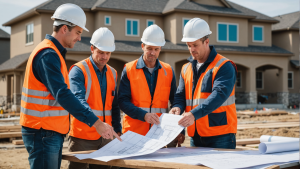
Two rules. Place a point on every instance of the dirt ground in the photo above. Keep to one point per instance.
(16, 158)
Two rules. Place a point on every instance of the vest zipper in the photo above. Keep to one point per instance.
(103, 113)
(150, 112)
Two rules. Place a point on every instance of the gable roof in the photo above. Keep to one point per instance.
(155, 7)
(288, 21)
(14, 62)
(4, 34)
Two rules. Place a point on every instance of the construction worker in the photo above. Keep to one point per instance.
(146, 86)
(46, 97)
(94, 83)
(206, 91)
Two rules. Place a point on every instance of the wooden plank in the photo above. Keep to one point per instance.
(15, 127)
(10, 134)
(18, 142)
(253, 145)
(130, 163)
(247, 141)
(268, 125)
(263, 113)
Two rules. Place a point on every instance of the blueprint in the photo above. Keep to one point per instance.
(134, 144)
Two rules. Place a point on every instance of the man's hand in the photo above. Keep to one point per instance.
(105, 130)
(175, 110)
(187, 119)
(152, 118)
(180, 139)
(119, 134)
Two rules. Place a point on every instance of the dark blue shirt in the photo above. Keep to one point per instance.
(222, 86)
(46, 68)
(125, 90)
(77, 86)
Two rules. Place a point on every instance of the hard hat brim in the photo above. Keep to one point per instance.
(154, 44)
(189, 39)
(106, 48)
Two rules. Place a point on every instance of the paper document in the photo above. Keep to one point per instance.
(275, 144)
(134, 144)
(219, 159)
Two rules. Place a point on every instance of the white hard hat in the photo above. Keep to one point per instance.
(103, 39)
(195, 29)
(153, 35)
(70, 13)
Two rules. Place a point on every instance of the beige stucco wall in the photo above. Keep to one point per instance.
(243, 70)
(267, 34)
(18, 36)
(210, 2)
(118, 23)
(47, 24)
(288, 40)
(170, 28)
(242, 30)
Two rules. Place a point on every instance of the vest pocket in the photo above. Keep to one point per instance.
(217, 119)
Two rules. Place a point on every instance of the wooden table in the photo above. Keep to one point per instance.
(154, 164)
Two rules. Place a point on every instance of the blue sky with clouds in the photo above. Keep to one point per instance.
(12, 8)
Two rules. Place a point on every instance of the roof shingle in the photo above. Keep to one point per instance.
(14, 62)
(4, 34)
(287, 21)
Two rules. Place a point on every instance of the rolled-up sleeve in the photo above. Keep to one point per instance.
(124, 99)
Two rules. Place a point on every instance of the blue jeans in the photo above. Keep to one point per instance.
(44, 148)
(227, 141)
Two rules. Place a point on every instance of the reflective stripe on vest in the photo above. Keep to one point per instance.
(154, 110)
(89, 83)
(100, 112)
(229, 101)
(45, 102)
(35, 92)
(47, 113)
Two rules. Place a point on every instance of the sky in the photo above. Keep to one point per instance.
(9, 9)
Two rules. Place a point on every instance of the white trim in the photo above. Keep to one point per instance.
(29, 23)
(138, 30)
(262, 80)
(292, 79)
(237, 32)
(262, 33)
(183, 22)
(148, 21)
(241, 80)
(106, 16)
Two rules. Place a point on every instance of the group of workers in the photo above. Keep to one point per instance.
(85, 104)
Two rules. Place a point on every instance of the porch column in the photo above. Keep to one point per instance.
(251, 92)
(283, 93)
(17, 93)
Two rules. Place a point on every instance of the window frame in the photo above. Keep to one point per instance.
(240, 80)
(262, 80)
(106, 16)
(183, 22)
(292, 79)
(138, 28)
(29, 43)
(262, 33)
(227, 24)
(152, 20)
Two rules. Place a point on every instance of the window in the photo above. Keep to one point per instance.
(227, 32)
(29, 33)
(107, 20)
(150, 22)
(259, 80)
(258, 33)
(132, 27)
(290, 80)
(184, 21)
(239, 80)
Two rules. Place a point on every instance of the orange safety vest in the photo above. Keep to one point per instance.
(39, 109)
(221, 121)
(141, 97)
(94, 100)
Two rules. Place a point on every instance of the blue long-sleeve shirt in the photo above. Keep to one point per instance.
(222, 86)
(125, 90)
(46, 68)
(77, 82)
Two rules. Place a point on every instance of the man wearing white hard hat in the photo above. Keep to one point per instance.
(94, 83)
(147, 85)
(46, 97)
(206, 91)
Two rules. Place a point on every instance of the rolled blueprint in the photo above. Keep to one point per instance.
(276, 144)
(267, 138)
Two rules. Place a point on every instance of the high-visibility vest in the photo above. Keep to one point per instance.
(94, 100)
(39, 109)
(141, 96)
(221, 121)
